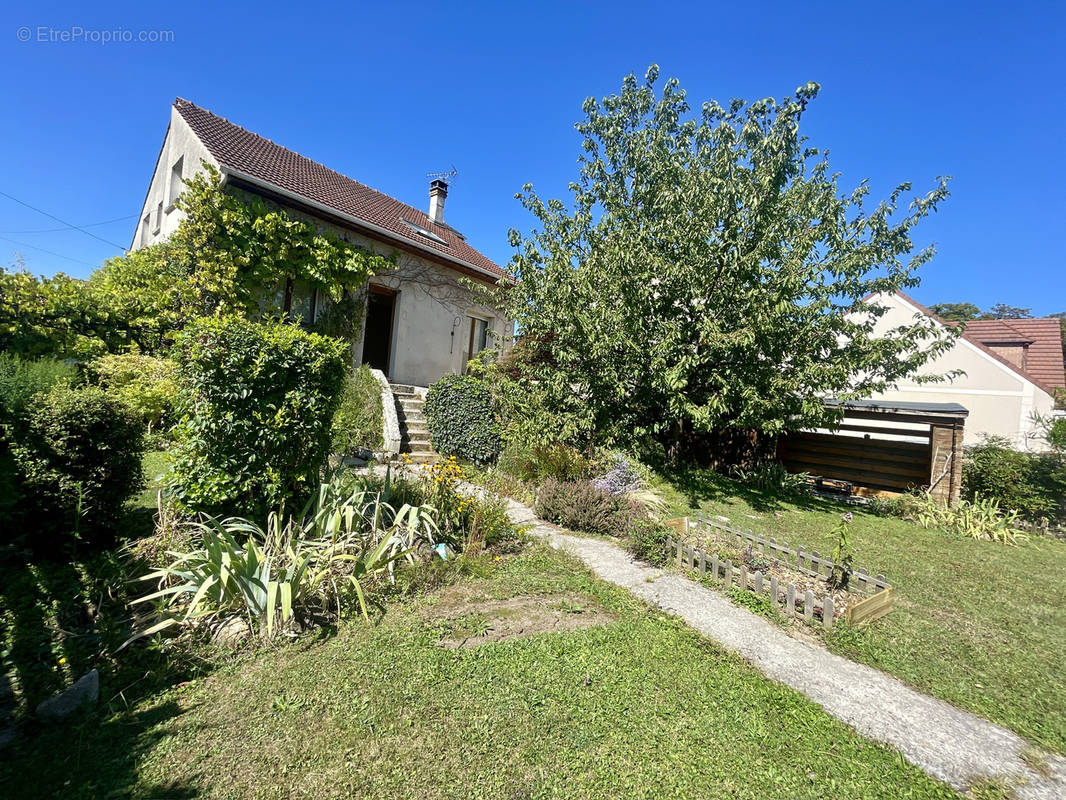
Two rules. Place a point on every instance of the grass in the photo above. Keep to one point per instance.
(976, 623)
(640, 706)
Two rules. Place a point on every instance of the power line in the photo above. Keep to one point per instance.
(57, 255)
(62, 221)
(69, 227)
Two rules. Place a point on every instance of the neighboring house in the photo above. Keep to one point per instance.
(421, 322)
(1012, 369)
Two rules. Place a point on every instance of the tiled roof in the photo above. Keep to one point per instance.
(246, 152)
(1043, 362)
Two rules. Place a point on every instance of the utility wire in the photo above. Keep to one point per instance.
(71, 227)
(62, 221)
(57, 255)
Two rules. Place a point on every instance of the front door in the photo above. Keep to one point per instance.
(377, 335)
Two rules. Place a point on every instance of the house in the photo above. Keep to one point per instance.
(421, 320)
(1009, 369)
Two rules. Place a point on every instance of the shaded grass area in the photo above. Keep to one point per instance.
(979, 624)
(64, 613)
(641, 706)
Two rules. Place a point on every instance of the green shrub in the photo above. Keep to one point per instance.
(258, 403)
(1032, 484)
(21, 379)
(359, 421)
(461, 418)
(144, 383)
(580, 506)
(297, 568)
(78, 461)
(540, 462)
(647, 541)
(980, 518)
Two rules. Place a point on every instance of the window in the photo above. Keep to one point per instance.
(145, 223)
(158, 218)
(479, 337)
(423, 231)
(177, 183)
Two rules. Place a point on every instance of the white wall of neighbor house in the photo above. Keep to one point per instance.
(1000, 401)
(432, 311)
(181, 157)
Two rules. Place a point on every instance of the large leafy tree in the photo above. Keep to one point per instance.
(956, 312)
(708, 272)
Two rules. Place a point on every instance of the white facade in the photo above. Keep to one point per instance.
(432, 312)
(1001, 401)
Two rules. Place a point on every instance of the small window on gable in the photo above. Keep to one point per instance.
(145, 223)
(158, 218)
(177, 182)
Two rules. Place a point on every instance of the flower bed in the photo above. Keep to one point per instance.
(795, 579)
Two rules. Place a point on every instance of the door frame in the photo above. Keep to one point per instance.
(390, 354)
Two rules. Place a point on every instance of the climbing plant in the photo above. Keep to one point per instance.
(233, 254)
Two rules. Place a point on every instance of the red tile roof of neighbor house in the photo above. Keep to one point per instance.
(245, 152)
(1044, 361)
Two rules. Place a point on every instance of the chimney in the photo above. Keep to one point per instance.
(438, 191)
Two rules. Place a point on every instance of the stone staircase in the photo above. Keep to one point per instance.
(414, 435)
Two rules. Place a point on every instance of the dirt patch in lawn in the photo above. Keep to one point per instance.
(466, 621)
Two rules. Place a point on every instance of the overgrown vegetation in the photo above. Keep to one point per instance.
(580, 506)
(358, 423)
(1032, 485)
(144, 383)
(258, 401)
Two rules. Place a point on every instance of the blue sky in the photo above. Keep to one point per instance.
(388, 92)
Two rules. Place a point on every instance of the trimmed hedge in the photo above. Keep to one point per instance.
(77, 461)
(258, 402)
(461, 418)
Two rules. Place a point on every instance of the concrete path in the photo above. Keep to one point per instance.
(946, 742)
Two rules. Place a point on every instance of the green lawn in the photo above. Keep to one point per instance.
(979, 624)
(638, 705)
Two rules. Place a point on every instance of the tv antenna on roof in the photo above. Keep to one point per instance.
(448, 177)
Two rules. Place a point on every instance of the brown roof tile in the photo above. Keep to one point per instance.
(1044, 337)
(1044, 364)
(243, 151)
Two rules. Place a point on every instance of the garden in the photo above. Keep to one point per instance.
(254, 618)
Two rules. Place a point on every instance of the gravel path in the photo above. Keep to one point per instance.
(946, 742)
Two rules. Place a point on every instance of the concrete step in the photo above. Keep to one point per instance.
(405, 389)
(414, 436)
(417, 447)
(423, 458)
(416, 417)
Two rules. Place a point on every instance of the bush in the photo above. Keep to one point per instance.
(647, 541)
(580, 506)
(78, 461)
(359, 421)
(1030, 483)
(461, 418)
(980, 518)
(144, 383)
(258, 403)
(543, 461)
(21, 379)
